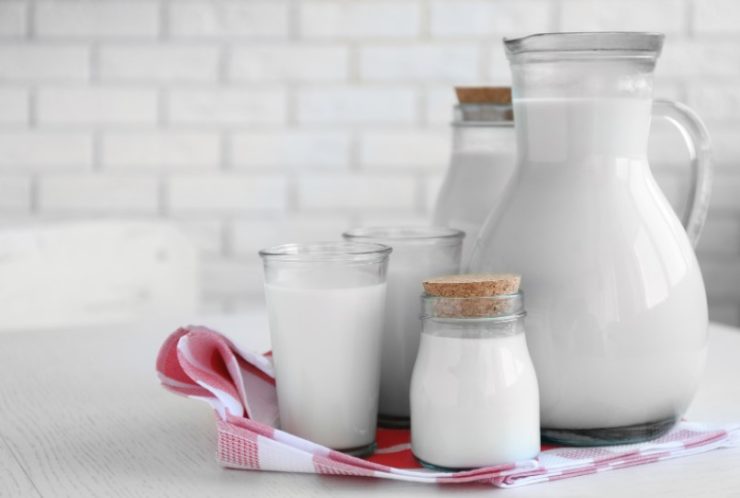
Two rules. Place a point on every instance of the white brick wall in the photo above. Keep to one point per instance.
(89, 19)
(96, 106)
(13, 19)
(159, 63)
(255, 122)
(40, 62)
(226, 106)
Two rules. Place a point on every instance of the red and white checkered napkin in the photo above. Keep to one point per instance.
(202, 364)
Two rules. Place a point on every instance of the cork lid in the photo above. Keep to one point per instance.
(473, 285)
(473, 295)
(483, 94)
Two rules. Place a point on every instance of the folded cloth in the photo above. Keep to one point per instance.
(200, 363)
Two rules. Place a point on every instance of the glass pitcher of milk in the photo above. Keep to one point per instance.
(481, 164)
(617, 323)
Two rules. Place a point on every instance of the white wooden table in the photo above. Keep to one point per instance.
(82, 414)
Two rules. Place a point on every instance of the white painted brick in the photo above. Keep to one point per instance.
(15, 194)
(13, 106)
(405, 149)
(291, 148)
(98, 194)
(159, 63)
(439, 102)
(228, 278)
(257, 18)
(290, 63)
(716, 16)
(726, 146)
(90, 19)
(727, 313)
(249, 236)
(37, 150)
(684, 58)
(499, 71)
(39, 62)
(721, 235)
(360, 19)
(726, 193)
(356, 192)
(161, 149)
(435, 62)
(489, 19)
(227, 107)
(207, 235)
(666, 16)
(13, 18)
(721, 276)
(669, 90)
(719, 102)
(86, 106)
(379, 220)
(227, 193)
(360, 105)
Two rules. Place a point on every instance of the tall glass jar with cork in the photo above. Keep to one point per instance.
(482, 162)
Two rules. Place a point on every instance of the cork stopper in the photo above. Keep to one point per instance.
(473, 295)
(483, 94)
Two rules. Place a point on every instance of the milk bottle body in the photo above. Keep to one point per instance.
(481, 165)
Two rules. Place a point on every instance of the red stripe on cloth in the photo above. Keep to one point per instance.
(204, 357)
(250, 425)
(327, 466)
(400, 459)
(167, 362)
(237, 447)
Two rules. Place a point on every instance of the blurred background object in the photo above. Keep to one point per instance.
(251, 123)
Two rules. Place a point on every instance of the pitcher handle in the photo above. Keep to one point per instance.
(696, 136)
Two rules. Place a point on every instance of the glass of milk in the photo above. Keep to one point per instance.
(326, 303)
(418, 254)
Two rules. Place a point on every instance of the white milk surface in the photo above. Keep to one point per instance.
(474, 402)
(326, 349)
(617, 313)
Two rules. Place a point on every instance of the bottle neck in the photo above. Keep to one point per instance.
(483, 138)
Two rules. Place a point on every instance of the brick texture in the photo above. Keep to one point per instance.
(252, 123)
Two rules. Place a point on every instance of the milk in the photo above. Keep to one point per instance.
(408, 267)
(617, 307)
(326, 349)
(474, 401)
(474, 187)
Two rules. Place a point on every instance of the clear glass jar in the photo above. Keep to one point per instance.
(474, 395)
(482, 163)
(326, 303)
(418, 253)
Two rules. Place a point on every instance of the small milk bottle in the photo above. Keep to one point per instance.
(474, 395)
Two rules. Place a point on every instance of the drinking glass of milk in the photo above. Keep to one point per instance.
(326, 303)
(418, 253)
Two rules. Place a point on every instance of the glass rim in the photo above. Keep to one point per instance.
(329, 251)
(637, 43)
(407, 233)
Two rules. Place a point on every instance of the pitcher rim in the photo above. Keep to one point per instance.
(639, 43)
